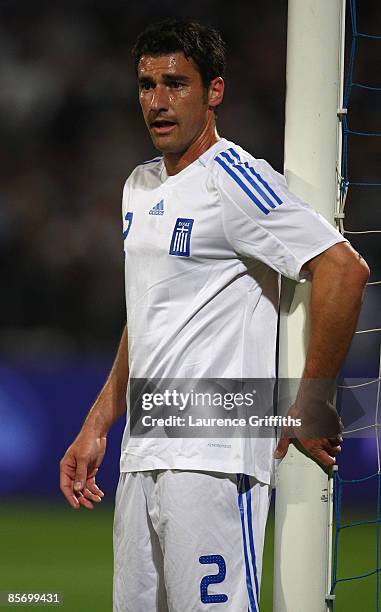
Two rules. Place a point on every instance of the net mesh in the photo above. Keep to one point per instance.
(359, 218)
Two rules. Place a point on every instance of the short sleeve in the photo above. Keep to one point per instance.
(264, 220)
(127, 214)
(126, 193)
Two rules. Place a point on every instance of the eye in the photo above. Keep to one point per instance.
(145, 86)
(176, 84)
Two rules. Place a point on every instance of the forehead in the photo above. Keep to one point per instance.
(171, 63)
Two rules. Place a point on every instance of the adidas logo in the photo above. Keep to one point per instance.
(158, 209)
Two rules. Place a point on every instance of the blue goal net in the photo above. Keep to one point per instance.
(357, 481)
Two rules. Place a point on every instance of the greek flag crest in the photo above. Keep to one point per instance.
(181, 237)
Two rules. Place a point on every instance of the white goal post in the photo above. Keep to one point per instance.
(315, 57)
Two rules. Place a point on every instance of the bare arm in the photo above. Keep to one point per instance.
(79, 465)
(339, 276)
(111, 402)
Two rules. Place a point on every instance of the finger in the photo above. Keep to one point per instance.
(331, 449)
(315, 451)
(324, 458)
(312, 448)
(80, 475)
(86, 503)
(71, 498)
(281, 448)
(335, 441)
(93, 487)
(66, 486)
(91, 496)
(334, 451)
(92, 474)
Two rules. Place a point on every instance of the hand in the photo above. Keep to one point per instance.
(319, 435)
(322, 450)
(78, 469)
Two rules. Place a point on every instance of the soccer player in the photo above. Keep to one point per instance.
(208, 230)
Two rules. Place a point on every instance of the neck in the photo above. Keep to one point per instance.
(175, 162)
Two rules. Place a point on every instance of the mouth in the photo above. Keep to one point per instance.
(163, 126)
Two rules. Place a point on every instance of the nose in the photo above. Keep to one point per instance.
(159, 100)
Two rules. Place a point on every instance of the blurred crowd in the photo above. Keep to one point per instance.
(71, 132)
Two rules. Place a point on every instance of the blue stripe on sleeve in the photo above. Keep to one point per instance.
(258, 176)
(234, 153)
(150, 161)
(242, 185)
(245, 173)
(269, 189)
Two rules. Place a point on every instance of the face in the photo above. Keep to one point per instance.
(174, 101)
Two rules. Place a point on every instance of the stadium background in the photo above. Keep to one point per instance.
(70, 133)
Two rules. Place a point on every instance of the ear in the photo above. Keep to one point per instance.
(216, 92)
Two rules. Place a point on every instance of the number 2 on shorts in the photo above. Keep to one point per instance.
(213, 579)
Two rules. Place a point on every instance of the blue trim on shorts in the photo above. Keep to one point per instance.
(251, 535)
(253, 605)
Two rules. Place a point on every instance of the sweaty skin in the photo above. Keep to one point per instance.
(170, 89)
(179, 114)
(177, 109)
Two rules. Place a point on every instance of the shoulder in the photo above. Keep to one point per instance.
(233, 159)
(145, 173)
(241, 176)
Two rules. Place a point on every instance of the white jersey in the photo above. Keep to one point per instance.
(205, 249)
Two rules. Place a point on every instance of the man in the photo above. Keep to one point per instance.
(208, 230)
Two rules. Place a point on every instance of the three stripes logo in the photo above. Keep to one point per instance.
(181, 236)
(158, 209)
(255, 187)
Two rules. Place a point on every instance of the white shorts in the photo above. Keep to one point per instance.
(188, 541)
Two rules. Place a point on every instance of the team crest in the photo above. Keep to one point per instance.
(181, 237)
(128, 218)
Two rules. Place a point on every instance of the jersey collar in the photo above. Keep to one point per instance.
(220, 145)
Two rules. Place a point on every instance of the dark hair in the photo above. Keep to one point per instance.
(202, 43)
